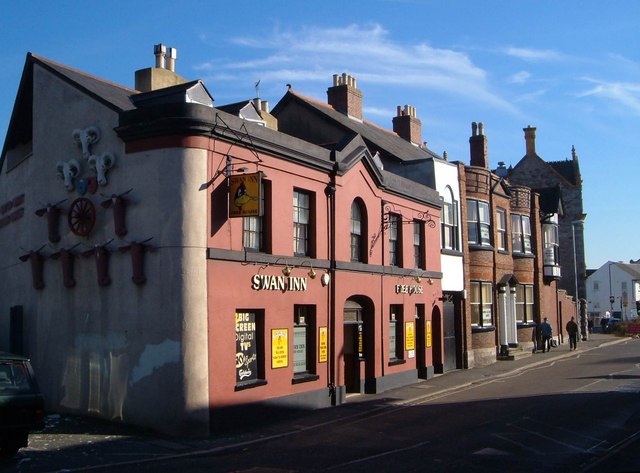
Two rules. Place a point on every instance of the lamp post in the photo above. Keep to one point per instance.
(579, 313)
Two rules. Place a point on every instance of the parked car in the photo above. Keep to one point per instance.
(611, 323)
(21, 403)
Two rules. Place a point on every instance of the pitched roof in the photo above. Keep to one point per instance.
(568, 169)
(388, 143)
(108, 93)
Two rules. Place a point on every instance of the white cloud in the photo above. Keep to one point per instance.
(528, 54)
(519, 77)
(623, 93)
(367, 53)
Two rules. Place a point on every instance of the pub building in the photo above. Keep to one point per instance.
(173, 265)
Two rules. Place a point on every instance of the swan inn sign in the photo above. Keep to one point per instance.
(266, 282)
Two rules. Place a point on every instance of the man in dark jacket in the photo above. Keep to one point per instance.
(546, 332)
(572, 330)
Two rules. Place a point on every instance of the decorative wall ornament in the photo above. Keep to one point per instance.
(138, 249)
(53, 212)
(119, 205)
(37, 264)
(66, 262)
(85, 137)
(68, 171)
(101, 256)
(82, 216)
(101, 164)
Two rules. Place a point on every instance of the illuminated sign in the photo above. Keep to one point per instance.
(245, 195)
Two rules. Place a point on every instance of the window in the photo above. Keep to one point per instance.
(396, 336)
(449, 221)
(418, 245)
(304, 363)
(357, 237)
(301, 223)
(253, 228)
(501, 228)
(395, 239)
(551, 244)
(481, 304)
(524, 303)
(478, 222)
(249, 348)
(521, 233)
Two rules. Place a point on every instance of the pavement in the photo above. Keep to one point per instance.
(72, 443)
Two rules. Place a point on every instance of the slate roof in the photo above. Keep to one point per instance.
(378, 139)
(567, 169)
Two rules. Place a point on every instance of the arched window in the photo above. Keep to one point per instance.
(358, 232)
(450, 230)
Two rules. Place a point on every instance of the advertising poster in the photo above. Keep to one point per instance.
(427, 326)
(322, 345)
(409, 336)
(279, 348)
(246, 353)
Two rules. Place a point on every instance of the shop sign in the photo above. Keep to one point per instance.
(409, 289)
(266, 282)
(245, 191)
(246, 353)
(427, 327)
(322, 345)
(279, 348)
(409, 336)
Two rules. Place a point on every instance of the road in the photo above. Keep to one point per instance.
(580, 413)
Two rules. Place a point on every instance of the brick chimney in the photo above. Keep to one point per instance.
(161, 76)
(345, 97)
(407, 126)
(530, 140)
(478, 146)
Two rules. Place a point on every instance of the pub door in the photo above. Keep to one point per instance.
(352, 355)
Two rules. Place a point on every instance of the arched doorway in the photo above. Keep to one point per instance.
(357, 348)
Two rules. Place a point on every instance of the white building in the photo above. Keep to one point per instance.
(614, 290)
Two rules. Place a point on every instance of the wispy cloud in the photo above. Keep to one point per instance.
(527, 54)
(623, 93)
(519, 77)
(364, 51)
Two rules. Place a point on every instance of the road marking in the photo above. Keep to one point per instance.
(379, 455)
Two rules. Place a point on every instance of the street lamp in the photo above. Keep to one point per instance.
(582, 318)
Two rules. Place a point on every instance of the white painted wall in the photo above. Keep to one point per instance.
(611, 279)
(136, 353)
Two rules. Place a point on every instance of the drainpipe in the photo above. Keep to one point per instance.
(330, 192)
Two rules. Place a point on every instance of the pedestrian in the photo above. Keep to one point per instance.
(572, 330)
(590, 325)
(546, 332)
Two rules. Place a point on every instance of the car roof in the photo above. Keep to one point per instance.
(12, 357)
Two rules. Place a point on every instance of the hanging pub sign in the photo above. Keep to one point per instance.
(245, 195)
(246, 352)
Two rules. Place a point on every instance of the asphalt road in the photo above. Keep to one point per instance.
(575, 413)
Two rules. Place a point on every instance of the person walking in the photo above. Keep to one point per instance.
(546, 332)
(572, 330)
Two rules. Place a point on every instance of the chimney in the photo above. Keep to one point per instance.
(345, 97)
(163, 74)
(478, 146)
(262, 106)
(407, 126)
(530, 139)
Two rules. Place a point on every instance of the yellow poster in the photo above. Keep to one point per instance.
(245, 195)
(428, 334)
(409, 336)
(279, 348)
(322, 345)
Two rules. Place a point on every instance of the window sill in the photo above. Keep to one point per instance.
(489, 328)
(305, 378)
(451, 252)
(249, 385)
(523, 255)
(397, 362)
(503, 252)
(476, 247)
(525, 324)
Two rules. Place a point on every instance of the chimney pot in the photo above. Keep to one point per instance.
(478, 146)
(160, 52)
(344, 97)
(171, 59)
(530, 140)
(407, 126)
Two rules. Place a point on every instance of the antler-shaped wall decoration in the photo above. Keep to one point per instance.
(68, 171)
(101, 256)
(37, 266)
(119, 205)
(66, 262)
(53, 219)
(138, 249)
(85, 137)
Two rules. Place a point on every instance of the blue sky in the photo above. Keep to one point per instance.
(570, 68)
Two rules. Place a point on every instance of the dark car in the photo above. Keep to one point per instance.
(21, 404)
(611, 323)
